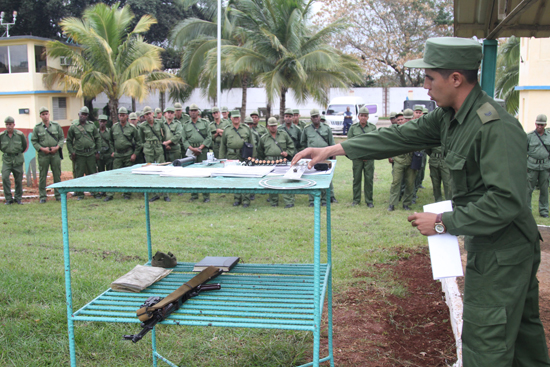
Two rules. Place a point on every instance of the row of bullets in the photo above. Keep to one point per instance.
(259, 162)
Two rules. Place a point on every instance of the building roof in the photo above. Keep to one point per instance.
(43, 39)
(492, 19)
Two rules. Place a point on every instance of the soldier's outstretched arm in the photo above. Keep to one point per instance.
(318, 154)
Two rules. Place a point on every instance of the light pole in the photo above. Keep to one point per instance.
(7, 25)
(219, 77)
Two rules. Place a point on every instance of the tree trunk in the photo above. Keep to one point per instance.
(267, 111)
(113, 109)
(282, 104)
(244, 86)
(133, 104)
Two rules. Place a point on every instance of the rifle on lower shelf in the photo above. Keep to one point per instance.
(157, 309)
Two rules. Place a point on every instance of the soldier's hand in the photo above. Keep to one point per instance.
(132, 158)
(112, 154)
(424, 222)
(284, 154)
(97, 156)
(219, 132)
(73, 156)
(168, 147)
(390, 160)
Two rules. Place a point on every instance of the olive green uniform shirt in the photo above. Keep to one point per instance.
(106, 147)
(317, 138)
(294, 133)
(261, 130)
(42, 139)
(232, 143)
(174, 132)
(484, 148)
(216, 141)
(151, 138)
(83, 139)
(537, 153)
(271, 148)
(357, 129)
(13, 147)
(197, 134)
(125, 140)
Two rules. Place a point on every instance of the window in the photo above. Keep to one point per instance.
(372, 108)
(59, 108)
(40, 59)
(13, 59)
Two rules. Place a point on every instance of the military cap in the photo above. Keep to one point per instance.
(140, 113)
(224, 109)
(541, 119)
(146, 110)
(123, 110)
(247, 120)
(289, 111)
(215, 109)
(323, 118)
(418, 107)
(84, 110)
(364, 110)
(133, 116)
(255, 113)
(399, 114)
(393, 115)
(9, 119)
(272, 121)
(296, 111)
(425, 110)
(408, 113)
(102, 117)
(235, 113)
(193, 107)
(169, 109)
(314, 112)
(178, 107)
(157, 110)
(43, 109)
(449, 53)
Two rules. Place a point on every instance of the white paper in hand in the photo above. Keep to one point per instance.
(444, 250)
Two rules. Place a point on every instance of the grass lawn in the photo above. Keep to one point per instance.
(109, 239)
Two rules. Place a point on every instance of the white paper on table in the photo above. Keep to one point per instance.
(444, 250)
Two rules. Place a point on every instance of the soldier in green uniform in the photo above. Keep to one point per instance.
(292, 130)
(105, 161)
(12, 143)
(250, 123)
(260, 129)
(225, 115)
(440, 174)
(393, 118)
(158, 113)
(216, 131)
(197, 138)
(133, 117)
(47, 139)
(173, 138)
(296, 119)
(126, 144)
(538, 163)
(362, 168)
(233, 139)
(484, 148)
(274, 145)
(402, 172)
(318, 135)
(83, 143)
(141, 117)
(183, 118)
(418, 112)
(151, 135)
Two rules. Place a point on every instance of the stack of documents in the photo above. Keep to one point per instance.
(242, 171)
(139, 278)
(151, 169)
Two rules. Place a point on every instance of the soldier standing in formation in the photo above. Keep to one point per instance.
(151, 134)
(179, 115)
(291, 129)
(393, 118)
(318, 135)
(232, 142)
(225, 115)
(158, 113)
(440, 174)
(362, 168)
(105, 161)
(197, 138)
(260, 129)
(300, 123)
(47, 139)
(538, 163)
(275, 145)
(173, 139)
(418, 112)
(12, 143)
(216, 130)
(83, 143)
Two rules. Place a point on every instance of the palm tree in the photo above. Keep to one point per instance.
(507, 76)
(285, 54)
(111, 59)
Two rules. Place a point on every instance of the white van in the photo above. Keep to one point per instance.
(335, 112)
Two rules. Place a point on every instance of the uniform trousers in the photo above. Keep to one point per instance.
(17, 171)
(400, 172)
(200, 158)
(535, 177)
(441, 175)
(120, 162)
(46, 162)
(84, 164)
(154, 154)
(363, 169)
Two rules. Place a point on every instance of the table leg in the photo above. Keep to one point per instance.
(148, 225)
(317, 277)
(68, 288)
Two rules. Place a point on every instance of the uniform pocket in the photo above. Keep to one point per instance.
(515, 265)
(457, 167)
(484, 328)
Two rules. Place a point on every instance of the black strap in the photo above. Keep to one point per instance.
(291, 137)
(317, 131)
(239, 135)
(363, 130)
(55, 137)
(538, 136)
(153, 131)
(127, 138)
(83, 130)
(105, 140)
(195, 126)
(276, 142)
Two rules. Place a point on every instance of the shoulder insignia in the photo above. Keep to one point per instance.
(487, 113)
(18, 132)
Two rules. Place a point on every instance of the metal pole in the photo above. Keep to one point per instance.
(489, 66)
(219, 74)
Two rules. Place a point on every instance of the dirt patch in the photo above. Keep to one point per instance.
(30, 193)
(380, 330)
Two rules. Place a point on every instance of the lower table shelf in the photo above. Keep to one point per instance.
(275, 296)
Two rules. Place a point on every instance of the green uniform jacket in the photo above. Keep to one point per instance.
(270, 148)
(13, 147)
(213, 127)
(317, 138)
(357, 129)
(83, 139)
(151, 136)
(261, 130)
(174, 132)
(232, 143)
(185, 118)
(125, 140)
(294, 133)
(436, 158)
(42, 139)
(302, 124)
(192, 137)
(106, 147)
(537, 154)
(484, 147)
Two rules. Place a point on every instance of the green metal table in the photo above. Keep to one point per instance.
(274, 296)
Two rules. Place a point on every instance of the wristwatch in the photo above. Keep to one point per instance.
(439, 226)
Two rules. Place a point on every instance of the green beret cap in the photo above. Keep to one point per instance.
(541, 119)
(178, 107)
(224, 109)
(157, 110)
(408, 113)
(169, 109)
(364, 110)
(84, 110)
(193, 107)
(418, 107)
(9, 119)
(102, 117)
(393, 115)
(272, 121)
(314, 112)
(449, 53)
(255, 113)
(425, 110)
(399, 114)
(247, 120)
(235, 113)
(289, 111)
(133, 116)
(123, 110)
(296, 111)
(146, 110)
(43, 109)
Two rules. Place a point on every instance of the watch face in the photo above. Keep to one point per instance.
(439, 228)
